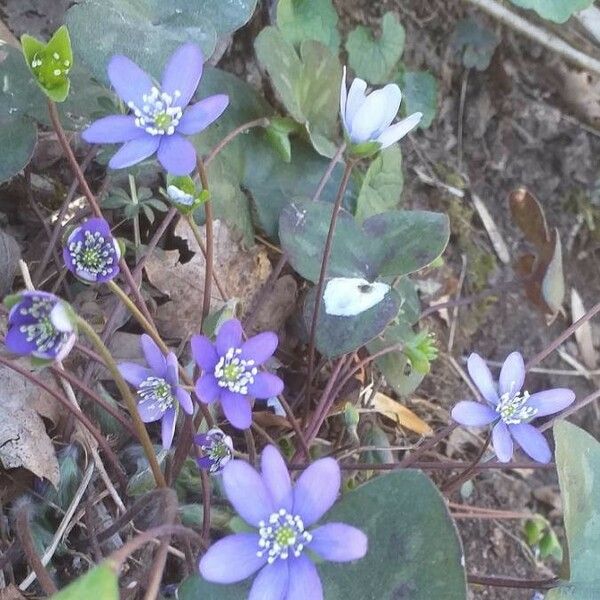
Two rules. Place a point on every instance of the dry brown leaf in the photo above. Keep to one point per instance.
(583, 334)
(23, 438)
(11, 593)
(241, 272)
(399, 413)
(278, 306)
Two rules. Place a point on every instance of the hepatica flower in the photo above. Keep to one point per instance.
(230, 371)
(91, 253)
(157, 388)
(510, 409)
(40, 325)
(282, 516)
(215, 450)
(368, 117)
(160, 114)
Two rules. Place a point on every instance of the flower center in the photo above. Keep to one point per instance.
(234, 373)
(94, 254)
(156, 391)
(157, 116)
(43, 332)
(514, 410)
(281, 535)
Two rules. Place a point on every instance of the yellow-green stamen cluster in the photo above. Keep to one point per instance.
(234, 373)
(283, 535)
(157, 115)
(42, 332)
(513, 409)
(156, 391)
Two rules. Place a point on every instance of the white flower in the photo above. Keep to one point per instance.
(178, 196)
(347, 297)
(369, 117)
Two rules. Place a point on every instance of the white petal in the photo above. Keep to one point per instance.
(60, 318)
(179, 196)
(356, 97)
(397, 131)
(346, 297)
(343, 97)
(372, 117)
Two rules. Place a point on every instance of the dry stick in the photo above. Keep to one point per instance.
(23, 532)
(440, 466)
(128, 399)
(206, 500)
(543, 37)
(509, 582)
(110, 455)
(295, 425)
(459, 479)
(209, 244)
(51, 549)
(250, 446)
(321, 283)
(262, 122)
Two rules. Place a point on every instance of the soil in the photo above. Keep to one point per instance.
(519, 128)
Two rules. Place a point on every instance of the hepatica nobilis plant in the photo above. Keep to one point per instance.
(196, 436)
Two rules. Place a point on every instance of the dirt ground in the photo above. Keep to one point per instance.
(530, 120)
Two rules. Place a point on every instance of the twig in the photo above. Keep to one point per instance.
(49, 552)
(209, 244)
(459, 479)
(543, 37)
(461, 281)
(262, 122)
(250, 446)
(461, 112)
(510, 582)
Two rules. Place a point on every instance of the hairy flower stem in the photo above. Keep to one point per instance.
(262, 122)
(202, 174)
(458, 480)
(321, 284)
(83, 184)
(128, 398)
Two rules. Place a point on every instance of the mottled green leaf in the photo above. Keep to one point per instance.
(419, 94)
(101, 582)
(15, 156)
(554, 10)
(374, 59)
(414, 549)
(475, 44)
(300, 20)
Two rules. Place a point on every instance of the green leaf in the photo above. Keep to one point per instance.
(278, 135)
(101, 582)
(382, 186)
(50, 63)
(419, 94)
(375, 436)
(414, 550)
(475, 43)
(16, 155)
(148, 31)
(554, 10)
(307, 84)
(375, 59)
(300, 20)
(337, 335)
(578, 465)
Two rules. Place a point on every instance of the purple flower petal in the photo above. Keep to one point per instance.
(265, 385)
(176, 154)
(129, 81)
(168, 427)
(207, 388)
(473, 414)
(532, 441)
(154, 357)
(232, 559)
(316, 490)
(16, 342)
(502, 442)
(150, 411)
(551, 401)
(134, 151)
(112, 130)
(304, 581)
(237, 409)
(277, 478)
(272, 582)
(172, 371)
(338, 542)
(229, 336)
(512, 374)
(247, 491)
(134, 373)
(185, 400)
(199, 116)
(260, 347)
(182, 73)
(482, 377)
(204, 352)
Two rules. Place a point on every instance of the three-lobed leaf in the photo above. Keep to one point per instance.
(419, 94)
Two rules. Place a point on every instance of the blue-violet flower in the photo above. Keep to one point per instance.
(158, 389)
(161, 115)
(281, 515)
(91, 252)
(215, 450)
(40, 325)
(510, 409)
(230, 371)
(368, 117)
